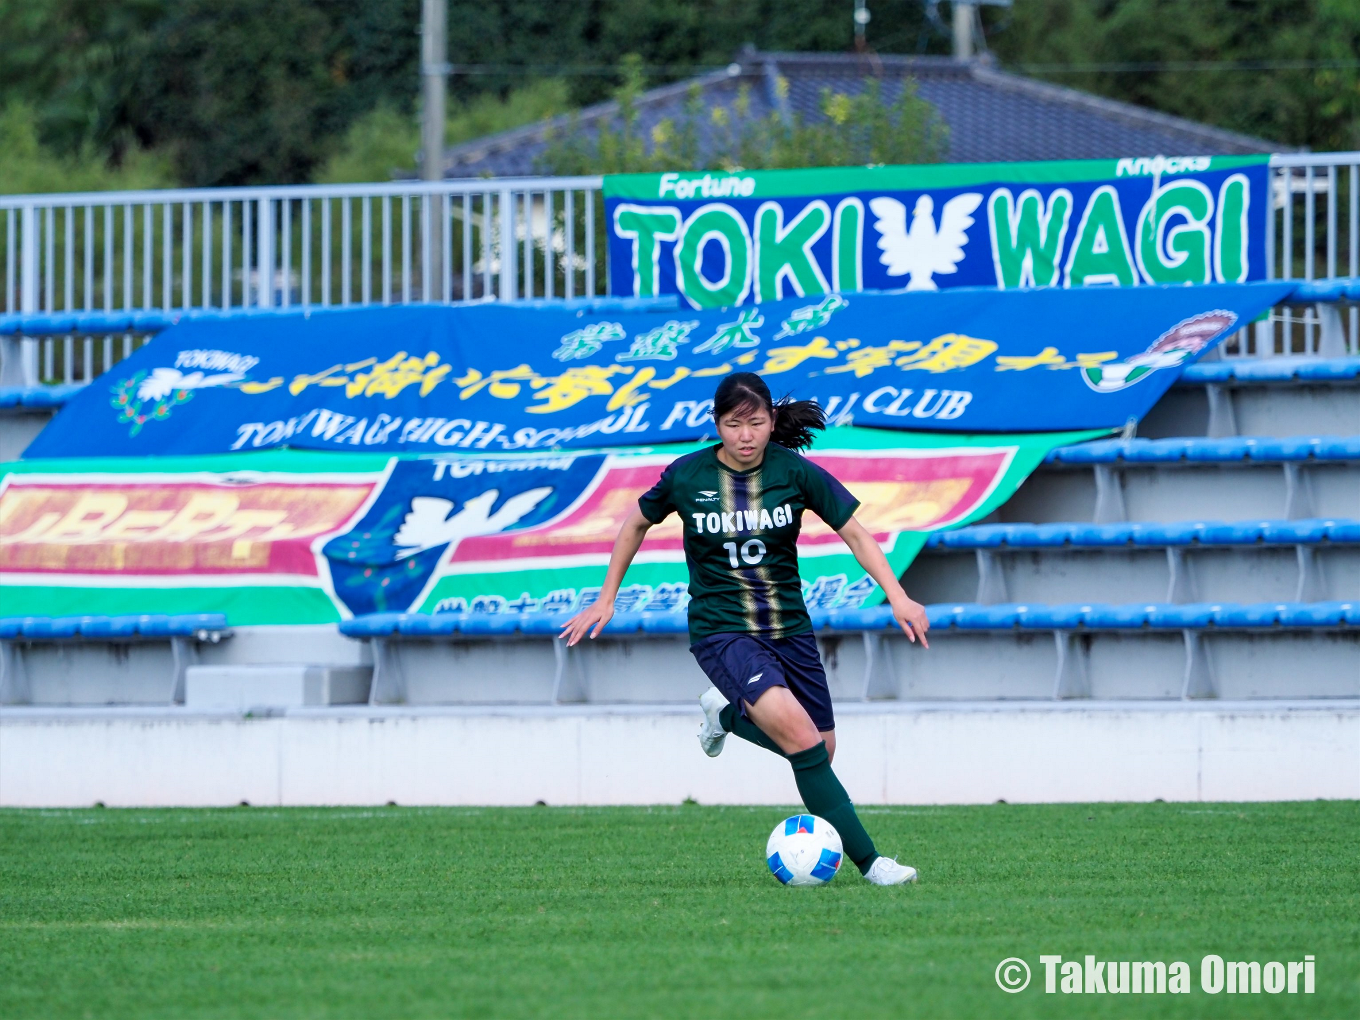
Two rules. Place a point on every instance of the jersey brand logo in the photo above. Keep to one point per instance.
(706, 496)
(754, 679)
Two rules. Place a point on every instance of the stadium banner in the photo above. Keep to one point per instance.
(519, 377)
(724, 240)
(291, 537)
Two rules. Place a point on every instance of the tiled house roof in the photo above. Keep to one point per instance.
(992, 115)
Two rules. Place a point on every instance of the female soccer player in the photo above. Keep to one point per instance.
(741, 503)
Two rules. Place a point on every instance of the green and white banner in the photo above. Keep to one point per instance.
(289, 537)
(726, 239)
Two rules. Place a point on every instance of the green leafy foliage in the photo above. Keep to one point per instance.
(386, 141)
(29, 167)
(267, 91)
(1271, 97)
(854, 130)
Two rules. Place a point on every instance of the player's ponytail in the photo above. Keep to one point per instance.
(794, 420)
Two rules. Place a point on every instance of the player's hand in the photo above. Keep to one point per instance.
(592, 619)
(911, 617)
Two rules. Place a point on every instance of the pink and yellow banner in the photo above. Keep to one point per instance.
(289, 537)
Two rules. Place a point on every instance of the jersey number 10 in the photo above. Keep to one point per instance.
(752, 552)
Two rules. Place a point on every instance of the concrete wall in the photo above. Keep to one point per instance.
(18, 428)
(963, 753)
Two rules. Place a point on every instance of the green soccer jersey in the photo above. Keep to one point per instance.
(741, 534)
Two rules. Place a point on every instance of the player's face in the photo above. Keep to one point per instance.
(745, 432)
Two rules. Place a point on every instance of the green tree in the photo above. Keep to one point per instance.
(28, 167)
(266, 91)
(1286, 92)
(67, 62)
(854, 130)
(385, 141)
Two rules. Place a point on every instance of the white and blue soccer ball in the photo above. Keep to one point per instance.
(804, 850)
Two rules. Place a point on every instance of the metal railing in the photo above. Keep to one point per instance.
(471, 240)
(304, 246)
(1312, 196)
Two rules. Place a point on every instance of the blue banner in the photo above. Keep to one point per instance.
(500, 378)
(732, 239)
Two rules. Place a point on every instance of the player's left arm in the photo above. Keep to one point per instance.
(909, 614)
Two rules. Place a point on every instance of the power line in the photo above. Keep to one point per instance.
(1107, 67)
(585, 70)
(1143, 67)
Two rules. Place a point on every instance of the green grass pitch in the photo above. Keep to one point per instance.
(665, 912)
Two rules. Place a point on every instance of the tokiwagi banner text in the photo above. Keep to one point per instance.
(731, 239)
(288, 537)
(516, 378)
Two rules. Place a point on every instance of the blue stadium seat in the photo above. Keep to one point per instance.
(153, 625)
(1216, 451)
(39, 627)
(1313, 614)
(999, 617)
(1328, 369)
(485, 624)
(1101, 535)
(944, 616)
(422, 625)
(1207, 372)
(1228, 449)
(1306, 532)
(543, 624)
(1282, 448)
(1190, 615)
(940, 614)
(873, 618)
(1099, 451)
(1257, 614)
(38, 397)
(1038, 536)
(1125, 617)
(665, 623)
(981, 536)
(190, 624)
(1175, 533)
(1343, 531)
(102, 627)
(623, 623)
(1160, 451)
(1338, 448)
(110, 628)
(1056, 616)
(371, 625)
(1230, 533)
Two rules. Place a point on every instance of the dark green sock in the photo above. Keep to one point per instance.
(738, 725)
(825, 797)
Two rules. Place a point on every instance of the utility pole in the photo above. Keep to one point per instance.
(861, 25)
(434, 73)
(963, 30)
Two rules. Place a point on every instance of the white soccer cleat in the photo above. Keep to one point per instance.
(711, 733)
(886, 871)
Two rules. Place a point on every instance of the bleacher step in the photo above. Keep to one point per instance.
(250, 688)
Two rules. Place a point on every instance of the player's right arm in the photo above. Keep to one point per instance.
(595, 616)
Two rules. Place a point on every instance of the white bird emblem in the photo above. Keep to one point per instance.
(923, 251)
(428, 523)
(164, 381)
